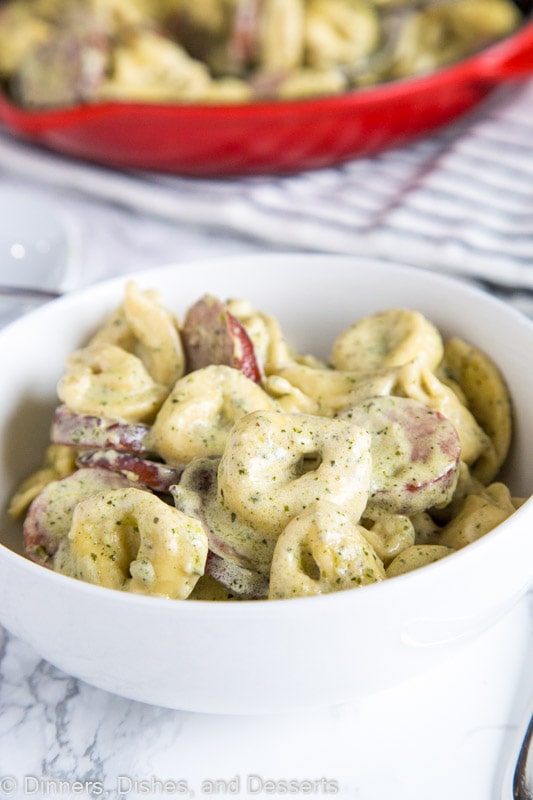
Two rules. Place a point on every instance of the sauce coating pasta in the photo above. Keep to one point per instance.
(207, 459)
(62, 52)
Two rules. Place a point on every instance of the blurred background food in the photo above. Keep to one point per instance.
(56, 53)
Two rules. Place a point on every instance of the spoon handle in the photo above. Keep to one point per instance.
(523, 775)
(28, 291)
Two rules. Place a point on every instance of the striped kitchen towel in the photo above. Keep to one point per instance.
(458, 201)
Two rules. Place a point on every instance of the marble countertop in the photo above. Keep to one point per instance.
(448, 734)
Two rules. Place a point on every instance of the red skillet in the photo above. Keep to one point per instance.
(274, 137)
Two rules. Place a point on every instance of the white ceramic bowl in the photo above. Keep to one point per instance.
(255, 657)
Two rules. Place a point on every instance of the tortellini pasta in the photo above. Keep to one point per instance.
(59, 461)
(129, 539)
(320, 551)
(388, 339)
(62, 52)
(275, 465)
(389, 534)
(106, 377)
(208, 459)
(471, 369)
(144, 327)
(199, 413)
(415, 557)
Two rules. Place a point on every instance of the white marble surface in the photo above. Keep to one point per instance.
(448, 734)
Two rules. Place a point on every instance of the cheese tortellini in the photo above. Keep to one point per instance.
(322, 550)
(208, 459)
(198, 415)
(57, 53)
(276, 465)
(128, 539)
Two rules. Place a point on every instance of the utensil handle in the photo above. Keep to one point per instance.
(524, 768)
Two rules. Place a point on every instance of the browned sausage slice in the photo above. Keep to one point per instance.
(212, 335)
(415, 454)
(153, 474)
(247, 584)
(86, 430)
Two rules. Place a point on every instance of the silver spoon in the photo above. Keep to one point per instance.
(523, 774)
(15, 301)
(28, 291)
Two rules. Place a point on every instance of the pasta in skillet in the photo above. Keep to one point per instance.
(63, 52)
(207, 459)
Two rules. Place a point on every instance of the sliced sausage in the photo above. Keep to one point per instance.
(153, 474)
(415, 454)
(86, 430)
(212, 335)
